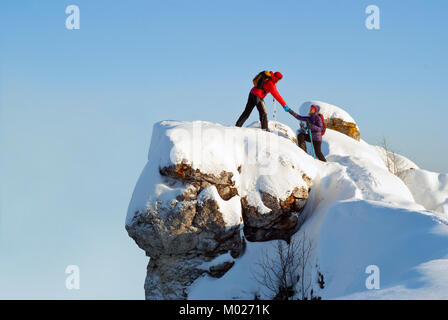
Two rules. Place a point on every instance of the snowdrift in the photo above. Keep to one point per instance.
(430, 189)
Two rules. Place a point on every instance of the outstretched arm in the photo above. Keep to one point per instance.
(273, 90)
(295, 115)
(298, 117)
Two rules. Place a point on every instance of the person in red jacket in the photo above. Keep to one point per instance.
(256, 98)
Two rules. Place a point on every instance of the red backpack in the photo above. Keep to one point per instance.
(323, 121)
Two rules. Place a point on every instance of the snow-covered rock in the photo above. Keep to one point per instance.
(203, 179)
(335, 118)
(201, 182)
(277, 128)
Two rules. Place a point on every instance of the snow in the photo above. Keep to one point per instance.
(336, 143)
(358, 213)
(431, 284)
(227, 257)
(259, 161)
(399, 162)
(277, 128)
(365, 168)
(230, 209)
(365, 233)
(429, 189)
(239, 282)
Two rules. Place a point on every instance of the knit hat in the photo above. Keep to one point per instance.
(278, 75)
(315, 107)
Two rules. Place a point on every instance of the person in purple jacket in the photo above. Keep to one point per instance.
(316, 125)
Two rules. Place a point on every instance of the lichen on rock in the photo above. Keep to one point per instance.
(348, 128)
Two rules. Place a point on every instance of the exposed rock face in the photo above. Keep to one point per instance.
(348, 128)
(181, 235)
(196, 178)
(191, 220)
(279, 129)
(280, 222)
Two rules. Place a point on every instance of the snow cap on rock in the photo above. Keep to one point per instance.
(327, 110)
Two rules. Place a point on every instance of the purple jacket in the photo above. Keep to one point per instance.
(315, 123)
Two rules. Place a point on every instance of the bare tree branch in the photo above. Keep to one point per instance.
(288, 273)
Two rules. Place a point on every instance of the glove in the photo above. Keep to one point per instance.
(286, 108)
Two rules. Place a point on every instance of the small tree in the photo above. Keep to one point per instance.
(392, 161)
(287, 273)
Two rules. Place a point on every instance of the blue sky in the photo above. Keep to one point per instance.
(77, 108)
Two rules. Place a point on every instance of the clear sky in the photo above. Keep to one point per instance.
(77, 108)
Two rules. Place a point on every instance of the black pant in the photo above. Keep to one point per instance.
(302, 137)
(253, 101)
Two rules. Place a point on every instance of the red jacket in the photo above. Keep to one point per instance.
(269, 87)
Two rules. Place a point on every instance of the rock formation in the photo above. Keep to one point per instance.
(186, 216)
(348, 128)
